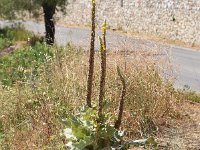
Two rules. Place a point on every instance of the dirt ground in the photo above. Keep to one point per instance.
(182, 133)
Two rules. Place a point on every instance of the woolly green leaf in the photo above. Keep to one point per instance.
(82, 144)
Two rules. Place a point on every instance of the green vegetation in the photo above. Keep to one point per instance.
(84, 131)
(188, 95)
(24, 64)
(4, 42)
(15, 33)
(194, 97)
(11, 35)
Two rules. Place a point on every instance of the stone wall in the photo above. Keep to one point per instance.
(172, 19)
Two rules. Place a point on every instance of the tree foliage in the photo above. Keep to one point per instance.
(9, 9)
(12, 9)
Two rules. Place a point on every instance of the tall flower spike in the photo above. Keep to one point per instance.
(91, 59)
(104, 28)
(122, 99)
(103, 69)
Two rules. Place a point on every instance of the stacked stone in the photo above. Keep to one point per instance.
(171, 19)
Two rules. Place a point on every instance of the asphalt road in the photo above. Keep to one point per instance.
(186, 61)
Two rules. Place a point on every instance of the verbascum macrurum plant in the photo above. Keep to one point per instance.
(90, 128)
(84, 132)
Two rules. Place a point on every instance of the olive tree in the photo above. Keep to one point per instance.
(11, 9)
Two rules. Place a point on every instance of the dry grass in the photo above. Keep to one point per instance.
(31, 113)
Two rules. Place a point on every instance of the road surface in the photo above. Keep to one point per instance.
(187, 61)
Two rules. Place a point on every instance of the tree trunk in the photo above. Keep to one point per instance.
(49, 11)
